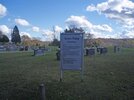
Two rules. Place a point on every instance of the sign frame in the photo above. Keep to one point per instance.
(71, 47)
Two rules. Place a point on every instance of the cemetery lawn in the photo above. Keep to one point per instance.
(106, 77)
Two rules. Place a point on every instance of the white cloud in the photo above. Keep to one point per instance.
(36, 29)
(78, 21)
(127, 34)
(25, 33)
(3, 10)
(22, 22)
(58, 29)
(91, 8)
(130, 34)
(122, 11)
(97, 30)
(119, 10)
(47, 32)
(103, 27)
(5, 29)
(48, 35)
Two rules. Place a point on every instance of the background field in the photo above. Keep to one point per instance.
(106, 77)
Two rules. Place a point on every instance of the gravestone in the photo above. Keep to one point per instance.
(116, 49)
(21, 48)
(39, 52)
(47, 49)
(90, 51)
(103, 50)
(58, 55)
(2, 48)
(86, 51)
(98, 49)
(12, 47)
(26, 48)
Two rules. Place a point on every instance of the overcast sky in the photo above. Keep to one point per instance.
(38, 18)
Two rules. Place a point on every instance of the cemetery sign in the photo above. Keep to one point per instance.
(71, 52)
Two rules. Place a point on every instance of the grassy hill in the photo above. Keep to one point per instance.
(106, 77)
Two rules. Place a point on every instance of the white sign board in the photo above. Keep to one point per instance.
(71, 51)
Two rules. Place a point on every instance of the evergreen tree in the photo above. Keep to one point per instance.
(15, 36)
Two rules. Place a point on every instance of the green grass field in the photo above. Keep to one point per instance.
(106, 77)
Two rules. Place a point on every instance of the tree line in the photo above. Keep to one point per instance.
(15, 36)
(89, 39)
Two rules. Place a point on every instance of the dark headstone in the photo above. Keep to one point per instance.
(116, 49)
(86, 51)
(91, 51)
(39, 52)
(103, 50)
(26, 48)
(21, 48)
(98, 49)
(58, 55)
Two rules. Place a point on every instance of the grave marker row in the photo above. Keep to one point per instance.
(102, 50)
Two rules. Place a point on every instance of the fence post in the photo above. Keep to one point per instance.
(42, 92)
